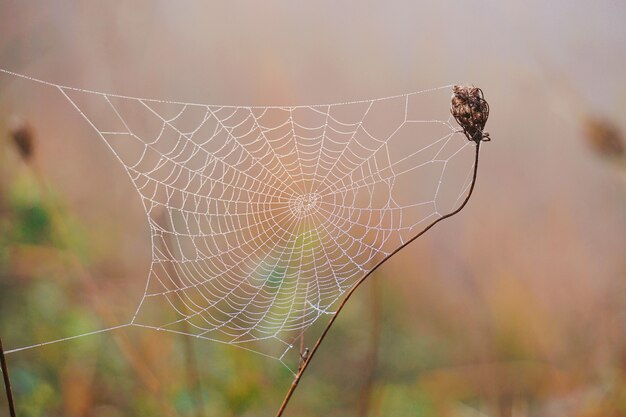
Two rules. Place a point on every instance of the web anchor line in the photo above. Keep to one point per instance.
(64, 339)
(263, 219)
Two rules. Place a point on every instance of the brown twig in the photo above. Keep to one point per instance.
(306, 363)
(7, 380)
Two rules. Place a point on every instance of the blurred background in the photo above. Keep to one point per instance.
(517, 307)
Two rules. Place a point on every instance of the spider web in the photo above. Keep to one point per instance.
(261, 218)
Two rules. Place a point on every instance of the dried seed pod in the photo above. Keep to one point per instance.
(23, 138)
(471, 111)
(604, 137)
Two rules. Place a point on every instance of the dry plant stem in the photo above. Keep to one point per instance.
(371, 359)
(191, 363)
(193, 377)
(306, 363)
(7, 380)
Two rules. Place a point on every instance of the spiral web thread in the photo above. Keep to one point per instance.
(261, 218)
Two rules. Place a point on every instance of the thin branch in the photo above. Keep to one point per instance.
(7, 380)
(306, 363)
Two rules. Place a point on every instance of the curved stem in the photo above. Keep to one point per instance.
(304, 366)
(7, 380)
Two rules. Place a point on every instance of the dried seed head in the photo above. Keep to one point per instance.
(604, 137)
(471, 111)
(23, 138)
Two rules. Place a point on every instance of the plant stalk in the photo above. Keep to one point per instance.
(371, 358)
(306, 363)
(7, 380)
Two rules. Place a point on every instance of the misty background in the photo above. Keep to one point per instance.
(514, 307)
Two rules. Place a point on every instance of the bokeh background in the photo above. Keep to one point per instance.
(517, 307)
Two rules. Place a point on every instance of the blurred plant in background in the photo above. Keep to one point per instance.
(606, 140)
(43, 261)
